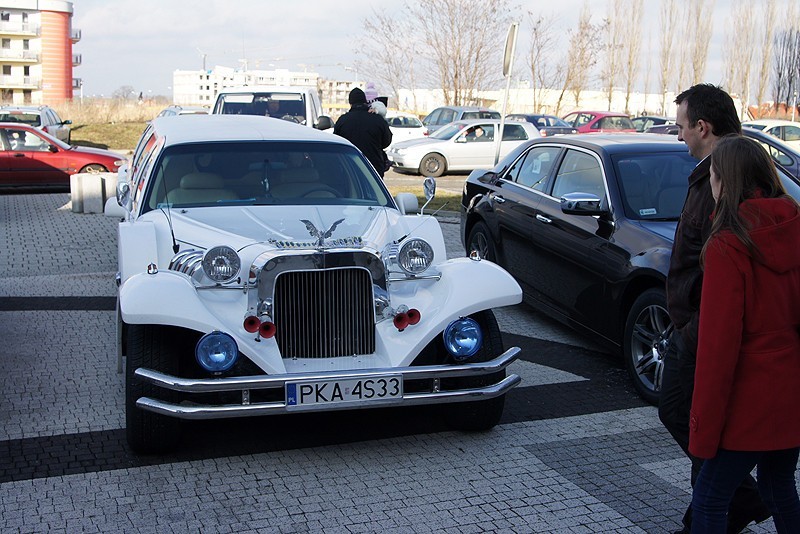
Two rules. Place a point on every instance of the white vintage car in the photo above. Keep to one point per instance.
(264, 268)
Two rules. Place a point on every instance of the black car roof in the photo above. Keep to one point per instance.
(620, 142)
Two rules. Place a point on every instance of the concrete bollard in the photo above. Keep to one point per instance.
(93, 198)
(109, 185)
(76, 193)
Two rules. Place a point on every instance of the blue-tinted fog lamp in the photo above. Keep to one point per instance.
(216, 352)
(463, 338)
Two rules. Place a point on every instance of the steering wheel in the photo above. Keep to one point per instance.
(322, 189)
(290, 118)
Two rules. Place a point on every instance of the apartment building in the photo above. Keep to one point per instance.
(36, 59)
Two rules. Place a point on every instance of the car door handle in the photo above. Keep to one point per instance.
(19, 155)
(499, 199)
(543, 219)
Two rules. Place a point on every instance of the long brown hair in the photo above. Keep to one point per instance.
(745, 170)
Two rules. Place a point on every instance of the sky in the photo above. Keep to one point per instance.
(139, 43)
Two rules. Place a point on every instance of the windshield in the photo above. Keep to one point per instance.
(32, 119)
(263, 173)
(447, 132)
(287, 106)
(654, 186)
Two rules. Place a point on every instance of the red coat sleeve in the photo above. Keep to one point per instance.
(719, 340)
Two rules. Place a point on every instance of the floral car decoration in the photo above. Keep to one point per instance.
(264, 268)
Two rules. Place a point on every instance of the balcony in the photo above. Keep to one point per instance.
(77, 83)
(76, 60)
(18, 56)
(75, 36)
(22, 29)
(20, 82)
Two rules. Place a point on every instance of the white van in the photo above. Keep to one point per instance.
(297, 104)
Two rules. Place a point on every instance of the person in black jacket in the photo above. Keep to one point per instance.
(369, 132)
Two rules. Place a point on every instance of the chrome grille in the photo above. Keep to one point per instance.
(324, 313)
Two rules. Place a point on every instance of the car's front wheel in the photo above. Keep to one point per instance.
(480, 415)
(480, 241)
(647, 331)
(432, 165)
(94, 168)
(152, 347)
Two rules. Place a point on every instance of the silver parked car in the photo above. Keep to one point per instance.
(460, 146)
(43, 117)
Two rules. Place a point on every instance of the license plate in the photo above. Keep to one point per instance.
(313, 394)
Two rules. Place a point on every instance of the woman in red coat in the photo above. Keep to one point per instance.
(746, 402)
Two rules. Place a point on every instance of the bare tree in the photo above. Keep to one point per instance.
(546, 71)
(614, 28)
(462, 59)
(739, 53)
(395, 69)
(123, 92)
(631, 47)
(786, 56)
(767, 27)
(581, 57)
(669, 25)
(702, 26)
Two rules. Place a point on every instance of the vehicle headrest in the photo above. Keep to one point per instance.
(202, 180)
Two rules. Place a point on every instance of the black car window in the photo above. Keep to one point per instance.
(579, 173)
(514, 132)
(534, 167)
(653, 186)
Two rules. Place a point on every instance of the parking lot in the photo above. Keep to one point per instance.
(576, 451)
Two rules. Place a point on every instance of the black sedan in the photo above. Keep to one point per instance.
(585, 224)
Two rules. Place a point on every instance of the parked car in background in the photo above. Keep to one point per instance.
(265, 269)
(644, 122)
(43, 117)
(294, 104)
(782, 154)
(599, 122)
(405, 126)
(460, 146)
(447, 114)
(31, 158)
(585, 224)
(183, 110)
(786, 131)
(548, 125)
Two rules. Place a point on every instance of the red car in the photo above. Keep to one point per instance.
(30, 157)
(599, 122)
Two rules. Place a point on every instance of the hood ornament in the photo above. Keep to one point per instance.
(321, 236)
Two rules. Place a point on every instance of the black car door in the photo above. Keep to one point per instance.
(567, 259)
(520, 191)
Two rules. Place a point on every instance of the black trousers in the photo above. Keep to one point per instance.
(677, 386)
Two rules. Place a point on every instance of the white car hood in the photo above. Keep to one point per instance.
(240, 227)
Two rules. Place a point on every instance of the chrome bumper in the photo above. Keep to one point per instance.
(246, 384)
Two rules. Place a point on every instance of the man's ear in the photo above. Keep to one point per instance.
(705, 127)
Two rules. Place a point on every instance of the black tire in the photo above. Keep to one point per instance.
(149, 346)
(94, 167)
(432, 165)
(647, 331)
(481, 241)
(480, 416)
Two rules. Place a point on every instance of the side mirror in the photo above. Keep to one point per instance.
(488, 178)
(407, 203)
(124, 196)
(429, 186)
(67, 122)
(324, 123)
(52, 148)
(113, 209)
(461, 139)
(581, 204)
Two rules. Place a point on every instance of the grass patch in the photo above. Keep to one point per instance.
(120, 136)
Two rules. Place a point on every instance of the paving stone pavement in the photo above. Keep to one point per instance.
(576, 451)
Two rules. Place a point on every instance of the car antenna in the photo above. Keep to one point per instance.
(420, 224)
(168, 215)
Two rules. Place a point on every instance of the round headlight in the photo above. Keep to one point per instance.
(221, 264)
(216, 352)
(415, 256)
(463, 338)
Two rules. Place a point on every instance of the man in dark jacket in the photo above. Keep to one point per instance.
(369, 132)
(705, 113)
